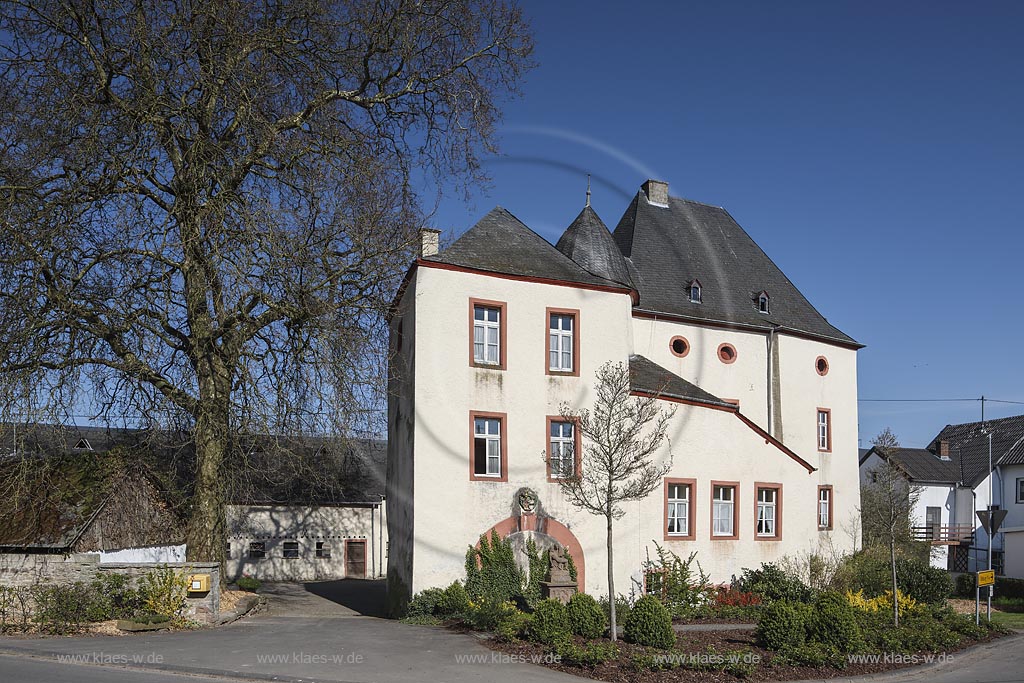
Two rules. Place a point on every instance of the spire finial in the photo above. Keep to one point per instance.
(588, 189)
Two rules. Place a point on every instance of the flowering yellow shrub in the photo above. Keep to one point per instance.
(882, 602)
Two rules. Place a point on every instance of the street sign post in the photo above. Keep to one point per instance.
(995, 519)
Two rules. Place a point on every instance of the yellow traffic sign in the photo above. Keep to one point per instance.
(987, 578)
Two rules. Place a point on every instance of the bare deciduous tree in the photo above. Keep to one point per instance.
(887, 502)
(620, 436)
(205, 206)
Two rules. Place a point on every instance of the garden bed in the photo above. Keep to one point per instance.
(740, 644)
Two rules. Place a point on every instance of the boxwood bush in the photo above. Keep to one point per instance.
(586, 618)
(782, 625)
(770, 583)
(833, 622)
(550, 623)
(650, 624)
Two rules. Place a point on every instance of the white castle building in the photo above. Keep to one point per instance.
(490, 336)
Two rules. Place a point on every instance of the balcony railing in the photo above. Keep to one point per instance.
(953, 534)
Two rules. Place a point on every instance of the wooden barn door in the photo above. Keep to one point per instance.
(355, 559)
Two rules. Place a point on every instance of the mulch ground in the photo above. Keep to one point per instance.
(695, 643)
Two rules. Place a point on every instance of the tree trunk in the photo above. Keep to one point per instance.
(207, 534)
(895, 593)
(613, 629)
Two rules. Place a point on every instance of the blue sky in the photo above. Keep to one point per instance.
(874, 150)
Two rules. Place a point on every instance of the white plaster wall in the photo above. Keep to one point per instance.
(274, 525)
(450, 510)
(942, 497)
(155, 554)
(1008, 477)
(715, 445)
(745, 379)
(1014, 557)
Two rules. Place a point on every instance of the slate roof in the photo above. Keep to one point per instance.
(922, 465)
(589, 243)
(501, 243)
(649, 377)
(50, 490)
(968, 443)
(671, 247)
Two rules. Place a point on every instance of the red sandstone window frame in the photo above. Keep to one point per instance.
(502, 333)
(831, 507)
(735, 486)
(573, 313)
(727, 353)
(691, 522)
(576, 445)
(827, 412)
(503, 445)
(686, 346)
(768, 486)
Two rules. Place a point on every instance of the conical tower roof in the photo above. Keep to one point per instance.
(588, 242)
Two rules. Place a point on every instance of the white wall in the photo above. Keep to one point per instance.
(156, 554)
(274, 525)
(451, 511)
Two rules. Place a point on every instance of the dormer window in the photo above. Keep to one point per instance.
(83, 445)
(695, 293)
(762, 302)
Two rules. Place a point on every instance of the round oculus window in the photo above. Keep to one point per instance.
(821, 365)
(727, 353)
(680, 347)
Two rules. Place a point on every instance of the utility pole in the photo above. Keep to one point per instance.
(991, 516)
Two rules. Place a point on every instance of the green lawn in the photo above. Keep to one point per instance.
(1007, 619)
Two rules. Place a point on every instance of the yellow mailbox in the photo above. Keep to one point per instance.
(199, 583)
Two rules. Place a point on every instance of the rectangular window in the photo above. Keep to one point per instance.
(487, 334)
(1020, 490)
(562, 449)
(227, 551)
(257, 550)
(824, 507)
(824, 430)
(563, 341)
(769, 507)
(723, 510)
(487, 447)
(291, 550)
(677, 513)
(323, 549)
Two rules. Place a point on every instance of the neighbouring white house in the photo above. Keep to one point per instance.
(952, 477)
(491, 335)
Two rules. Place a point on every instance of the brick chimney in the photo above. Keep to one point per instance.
(429, 241)
(943, 450)
(657, 192)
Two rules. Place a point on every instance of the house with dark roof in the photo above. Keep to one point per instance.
(299, 508)
(492, 334)
(954, 480)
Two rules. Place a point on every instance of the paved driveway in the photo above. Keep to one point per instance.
(309, 635)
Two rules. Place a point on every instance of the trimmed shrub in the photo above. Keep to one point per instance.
(589, 655)
(550, 623)
(922, 582)
(772, 584)
(965, 585)
(513, 627)
(585, 617)
(872, 573)
(833, 622)
(424, 603)
(487, 614)
(453, 601)
(650, 624)
(248, 583)
(782, 625)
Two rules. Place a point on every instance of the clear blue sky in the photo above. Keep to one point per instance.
(874, 150)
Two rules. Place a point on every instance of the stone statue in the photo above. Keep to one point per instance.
(559, 565)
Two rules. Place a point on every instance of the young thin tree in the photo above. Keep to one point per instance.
(621, 434)
(205, 207)
(887, 503)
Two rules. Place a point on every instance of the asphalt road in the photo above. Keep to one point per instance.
(25, 670)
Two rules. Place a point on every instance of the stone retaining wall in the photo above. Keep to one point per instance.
(27, 569)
